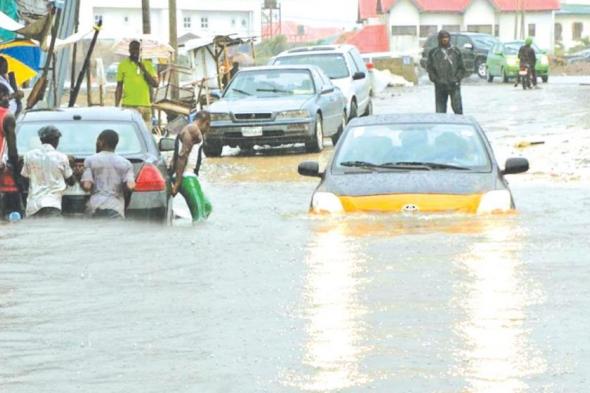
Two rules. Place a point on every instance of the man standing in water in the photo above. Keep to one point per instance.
(445, 69)
(135, 77)
(185, 182)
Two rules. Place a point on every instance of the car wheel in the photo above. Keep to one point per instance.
(481, 68)
(338, 133)
(504, 77)
(212, 150)
(354, 110)
(316, 143)
(369, 110)
(545, 78)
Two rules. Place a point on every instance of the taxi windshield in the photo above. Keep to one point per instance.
(414, 146)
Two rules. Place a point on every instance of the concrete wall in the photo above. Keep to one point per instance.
(567, 22)
(544, 23)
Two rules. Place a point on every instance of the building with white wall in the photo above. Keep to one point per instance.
(572, 23)
(122, 18)
(410, 22)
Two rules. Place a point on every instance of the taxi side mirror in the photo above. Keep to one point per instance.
(309, 168)
(514, 166)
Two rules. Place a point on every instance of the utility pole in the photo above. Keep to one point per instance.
(173, 43)
(145, 15)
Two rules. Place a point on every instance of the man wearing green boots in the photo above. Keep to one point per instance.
(187, 182)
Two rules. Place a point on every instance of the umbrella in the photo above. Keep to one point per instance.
(151, 47)
(23, 57)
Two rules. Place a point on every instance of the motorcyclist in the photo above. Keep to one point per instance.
(445, 69)
(526, 55)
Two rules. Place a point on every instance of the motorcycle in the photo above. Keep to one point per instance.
(525, 76)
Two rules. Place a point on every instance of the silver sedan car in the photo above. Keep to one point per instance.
(276, 105)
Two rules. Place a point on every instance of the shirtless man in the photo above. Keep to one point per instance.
(185, 182)
(191, 135)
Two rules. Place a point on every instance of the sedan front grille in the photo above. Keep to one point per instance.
(253, 116)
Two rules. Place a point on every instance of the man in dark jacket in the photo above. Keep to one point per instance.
(527, 55)
(445, 69)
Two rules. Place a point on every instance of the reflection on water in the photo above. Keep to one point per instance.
(494, 298)
(333, 313)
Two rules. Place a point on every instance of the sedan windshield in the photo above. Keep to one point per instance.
(79, 137)
(413, 147)
(484, 42)
(270, 83)
(333, 65)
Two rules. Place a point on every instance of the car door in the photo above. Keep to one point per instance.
(492, 61)
(362, 86)
(329, 101)
(466, 47)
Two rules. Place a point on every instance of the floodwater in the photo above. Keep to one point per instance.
(266, 298)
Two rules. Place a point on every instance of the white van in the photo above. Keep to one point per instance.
(345, 67)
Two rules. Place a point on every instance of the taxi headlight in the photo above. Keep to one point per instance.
(220, 117)
(544, 60)
(498, 201)
(512, 61)
(326, 202)
(289, 115)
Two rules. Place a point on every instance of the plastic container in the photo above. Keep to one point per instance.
(14, 217)
(195, 198)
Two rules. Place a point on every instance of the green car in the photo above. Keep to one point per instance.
(503, 61)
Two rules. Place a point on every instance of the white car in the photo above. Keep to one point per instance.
(345, 67)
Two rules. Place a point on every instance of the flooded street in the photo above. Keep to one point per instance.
(266, 298)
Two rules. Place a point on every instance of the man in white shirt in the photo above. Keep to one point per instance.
(48, 172)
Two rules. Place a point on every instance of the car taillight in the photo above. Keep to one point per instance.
(370, 66)
(149, 179)
(7, 183)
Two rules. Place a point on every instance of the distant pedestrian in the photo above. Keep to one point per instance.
(527, 55)
(135, 78)
(107, 176)
(8, 150)
(16, 95)
(49, 172)
(185, 182)
(445, 69)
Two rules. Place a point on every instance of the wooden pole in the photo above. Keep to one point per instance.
(145, 16)
(173, 43)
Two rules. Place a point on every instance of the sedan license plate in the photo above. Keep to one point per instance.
(251, 131)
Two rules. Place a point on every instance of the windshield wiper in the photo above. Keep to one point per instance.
(274, 91)
(367, 165)
(424, 165)
(241, 91)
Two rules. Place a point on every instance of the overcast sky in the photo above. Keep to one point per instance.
(321, 12)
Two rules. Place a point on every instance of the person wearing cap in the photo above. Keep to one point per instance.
(527, 55)
(445, 69)
(49, 172)
(135, 77)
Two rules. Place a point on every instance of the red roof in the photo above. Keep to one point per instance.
(293, 32)
(370, 8)
(373, 38)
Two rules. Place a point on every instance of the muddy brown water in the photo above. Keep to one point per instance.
(266, 298)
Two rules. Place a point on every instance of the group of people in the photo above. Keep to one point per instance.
(446, 70)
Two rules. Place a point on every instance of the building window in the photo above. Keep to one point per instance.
(486, 29)
(126, 19)
(244, 23)
(427, 30)
(497, 30)
(404, 30)
(532, 29)
(204, 23)
(186, 22)
(97, 18)
(577, 29)
(233, 23)
(558, 32)
(300, 30)
(451, 28)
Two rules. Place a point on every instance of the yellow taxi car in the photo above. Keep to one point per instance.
(413, 163)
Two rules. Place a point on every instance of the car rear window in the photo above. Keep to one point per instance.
(333, 64)
(449, 144)
(79, 137)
